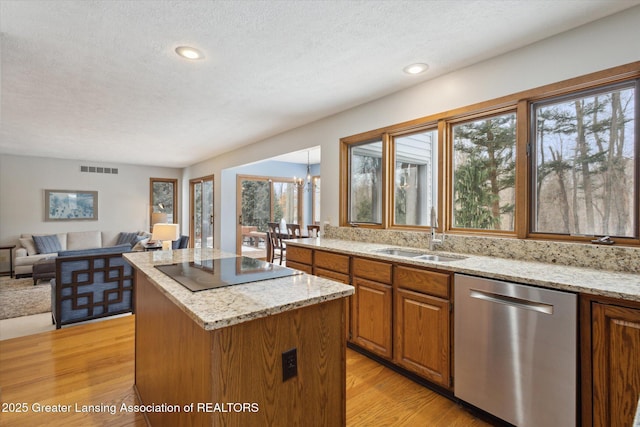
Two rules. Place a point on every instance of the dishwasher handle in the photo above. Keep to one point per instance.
(511, 301)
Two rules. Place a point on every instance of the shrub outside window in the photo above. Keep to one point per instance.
(585, 163)
(415, 180)
(484, 173)
(365, 185)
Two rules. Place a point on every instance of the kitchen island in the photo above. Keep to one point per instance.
(218, 357)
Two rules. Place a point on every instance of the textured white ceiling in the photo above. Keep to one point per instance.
(99, 80)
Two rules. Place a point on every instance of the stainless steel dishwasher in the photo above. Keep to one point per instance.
(516, 351)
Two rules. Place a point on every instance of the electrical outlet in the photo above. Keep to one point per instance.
(289, 364)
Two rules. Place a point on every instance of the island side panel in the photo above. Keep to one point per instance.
(251, 354)
(173, 358)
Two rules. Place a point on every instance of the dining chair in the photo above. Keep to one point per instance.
(313, 230)
(294, 231)
(276, 247)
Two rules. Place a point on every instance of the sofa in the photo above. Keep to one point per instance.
(90, 284)
(28, 252)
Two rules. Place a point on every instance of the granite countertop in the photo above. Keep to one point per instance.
(576, 279)
(230, 305)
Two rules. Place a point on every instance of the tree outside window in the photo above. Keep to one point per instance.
(585, 164)
(484, 173)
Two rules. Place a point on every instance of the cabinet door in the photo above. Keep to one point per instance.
(422, 335)
(371, 319)
(616, 364)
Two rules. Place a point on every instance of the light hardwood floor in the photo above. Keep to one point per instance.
(93, 364)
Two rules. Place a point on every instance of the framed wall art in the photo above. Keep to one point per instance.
(70, 205)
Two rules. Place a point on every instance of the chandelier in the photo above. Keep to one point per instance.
(305, 183)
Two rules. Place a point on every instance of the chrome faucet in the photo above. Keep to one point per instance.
(434, 226)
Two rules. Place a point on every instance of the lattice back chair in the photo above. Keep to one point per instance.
(313, 230)
(91, 286)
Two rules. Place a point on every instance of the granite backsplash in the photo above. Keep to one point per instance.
(602, 257)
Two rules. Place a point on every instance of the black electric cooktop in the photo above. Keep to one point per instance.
(216, 273)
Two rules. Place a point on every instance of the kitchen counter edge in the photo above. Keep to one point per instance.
(613, 284)
(231, 305)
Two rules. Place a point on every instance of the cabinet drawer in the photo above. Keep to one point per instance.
(297, 266)
(330, 274)
(425, 281)
(374, 270)
(299, 255)
(332, 261)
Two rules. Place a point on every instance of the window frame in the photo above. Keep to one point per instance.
(345, 179)
(567, 95)
(521, 104)
(428, 127)
(449, 184)
(153, 202)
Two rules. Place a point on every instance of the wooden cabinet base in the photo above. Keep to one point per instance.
(422, 336)
(234, 375)
(610, 361)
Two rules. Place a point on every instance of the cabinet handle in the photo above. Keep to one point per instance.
(512, 301)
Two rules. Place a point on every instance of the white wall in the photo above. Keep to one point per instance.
(228, 194)
(123, 199)
(606, 43)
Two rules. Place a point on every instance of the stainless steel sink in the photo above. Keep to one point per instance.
(441, 258)
(417, 255)
(399, 252)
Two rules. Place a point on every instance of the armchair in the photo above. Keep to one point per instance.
(92, 284)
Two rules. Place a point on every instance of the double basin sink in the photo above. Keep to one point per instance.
(417, 255)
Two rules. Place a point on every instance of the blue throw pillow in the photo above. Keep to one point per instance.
(47, 244)
(130, 238)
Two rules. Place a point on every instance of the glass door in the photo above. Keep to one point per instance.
(285, 202)
(255, 212)
(202, 212)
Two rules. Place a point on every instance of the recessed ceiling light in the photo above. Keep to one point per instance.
(189, 52)
(415, 68)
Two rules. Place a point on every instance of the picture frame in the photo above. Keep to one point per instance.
(70, 205)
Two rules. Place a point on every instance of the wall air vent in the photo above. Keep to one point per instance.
(98, 169)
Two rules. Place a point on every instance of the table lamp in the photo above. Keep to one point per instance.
(158, 217)
(165, 233)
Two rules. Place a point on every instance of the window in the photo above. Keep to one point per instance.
(365, 185)
(163, 200)
(285, 202)
(585, 163)
(415, 177)
(315, 200)
(484, 173)
(560, 162)
(201, 209)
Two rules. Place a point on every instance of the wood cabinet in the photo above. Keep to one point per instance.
(611, 361)
(336, 267)
(373, 306)
(399, 312)
(422, 326)
(177, 362)
(333, 265)
(300, 258)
